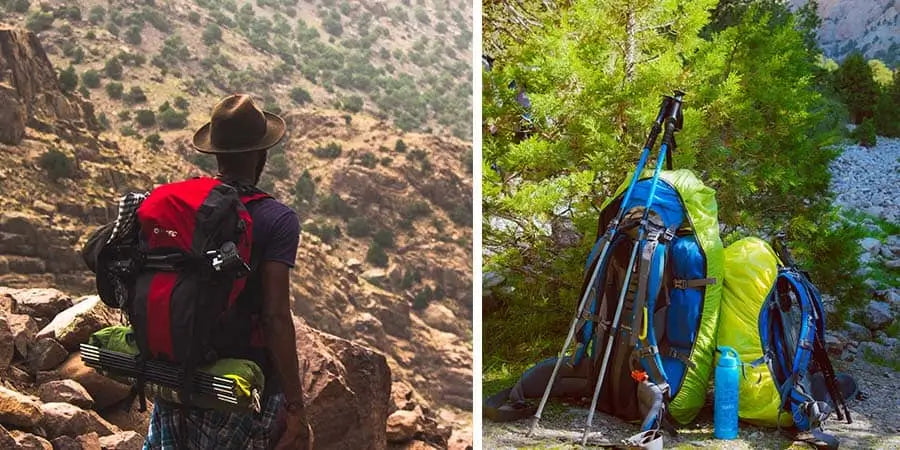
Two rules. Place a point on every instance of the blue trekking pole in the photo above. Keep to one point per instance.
(670, 120)
(607, 237)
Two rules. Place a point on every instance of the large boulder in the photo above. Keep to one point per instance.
(46, 354)
(13, 116)
(104, 390)
(67, 391)
(87, 441)
(41, 302)
(75, 325)
(878, 315)
(64, 419)
(18, 410)
(348, 389)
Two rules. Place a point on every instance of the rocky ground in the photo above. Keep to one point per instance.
(865, 345)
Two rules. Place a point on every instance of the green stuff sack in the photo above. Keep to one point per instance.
(751, 267)
(247, 375)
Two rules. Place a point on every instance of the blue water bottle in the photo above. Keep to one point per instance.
(725, 408)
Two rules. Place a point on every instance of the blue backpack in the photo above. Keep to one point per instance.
(792, 335)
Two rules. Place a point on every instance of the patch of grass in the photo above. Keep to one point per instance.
(890, 361)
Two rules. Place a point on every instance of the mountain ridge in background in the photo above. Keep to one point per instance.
(870, 26)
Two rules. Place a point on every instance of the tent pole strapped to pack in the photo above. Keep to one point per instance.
(599, 262)
(671, 118)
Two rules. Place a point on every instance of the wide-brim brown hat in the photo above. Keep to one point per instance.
(238, 126)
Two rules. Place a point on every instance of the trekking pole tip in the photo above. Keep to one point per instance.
(534, 422)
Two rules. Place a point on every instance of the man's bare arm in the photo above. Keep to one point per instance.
(278, 328)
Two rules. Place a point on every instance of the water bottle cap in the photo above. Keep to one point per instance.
(729, 357)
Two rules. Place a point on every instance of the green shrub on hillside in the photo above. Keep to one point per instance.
(854, 83)
(368, 160)
(384, 238)
(19, 6)
(133, 35)
(145, 118)
(353, 103)
(39, 21)
(194, 17)
(114, 89)
(358, 227)
(136, 95)
(91, 78)
(332, 26)
(305, 188)
(154, 141)
(181, 103)
(68, 80)
(334, 205)
(96, 15)
(57, 164)
(400, 146)
(171, 119)
(331, 150)
(376, 255)
(113, 68)
(212, 34)
(325, 232)
(300, 96)
(887, 110)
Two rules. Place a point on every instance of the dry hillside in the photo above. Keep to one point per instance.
(383, 189)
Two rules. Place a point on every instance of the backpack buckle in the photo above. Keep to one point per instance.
(679, 284)
(226, 258)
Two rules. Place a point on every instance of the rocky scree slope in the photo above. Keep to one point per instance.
(48, 397)
(870, 26)
(428, 347)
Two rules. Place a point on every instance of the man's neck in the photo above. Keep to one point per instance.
(244, 180)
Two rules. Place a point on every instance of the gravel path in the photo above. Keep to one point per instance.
(865, 179)
(868, 179)
(876, 423)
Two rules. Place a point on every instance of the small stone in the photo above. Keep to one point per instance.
(28, 441)
(402, 426)
(893, 264)
(17, 375)
(857, 331)
(125, 440)
(375, 276)
(66, 391)
(43, 207)
(46, 354)
(878, 315)
(353, 264)
(871, 245)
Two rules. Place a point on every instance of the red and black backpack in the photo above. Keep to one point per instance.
(177, 266)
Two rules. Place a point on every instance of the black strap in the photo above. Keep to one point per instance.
(644, 274)
(694, 283)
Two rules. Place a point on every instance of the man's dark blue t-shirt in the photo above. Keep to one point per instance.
(276, 231)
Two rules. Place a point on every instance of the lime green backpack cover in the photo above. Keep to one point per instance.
(751, 267)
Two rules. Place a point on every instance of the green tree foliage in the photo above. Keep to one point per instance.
(154, 141)
(19, 6)
(181, 103)
(376, 255)
(755, 129)
(97, 15)
(881, 73)
(113, 68)
(334, 205)
(400, 146)
(68, 80)
(353, 103)
(57, 164)
(887, 110)
(864, 134)
(305, 188)
(854, 83)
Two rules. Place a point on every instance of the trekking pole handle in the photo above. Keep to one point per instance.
(657, 124)
(673, 118)
(781, 248)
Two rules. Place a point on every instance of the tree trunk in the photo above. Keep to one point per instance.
(630, 43)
